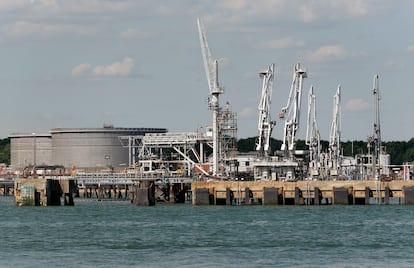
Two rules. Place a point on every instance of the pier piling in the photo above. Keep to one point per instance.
(270, 196)
(408, 195)
(145, 194)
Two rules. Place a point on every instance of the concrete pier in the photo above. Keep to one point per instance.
(6, 187)
(303, 192)
(43, 192)
(145, 194)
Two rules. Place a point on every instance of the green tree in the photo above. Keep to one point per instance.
(5, 151)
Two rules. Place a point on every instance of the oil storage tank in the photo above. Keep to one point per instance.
(93, 148)
(30, 149)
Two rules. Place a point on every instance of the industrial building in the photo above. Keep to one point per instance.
(88, 148)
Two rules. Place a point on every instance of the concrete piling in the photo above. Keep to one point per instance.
(387, 195)
(229, 196)
(270, 196)
(145, 194)
(317, 196)
(340, 196)
(298, 196)
(408, 195)
(201, 197)
(247, 196)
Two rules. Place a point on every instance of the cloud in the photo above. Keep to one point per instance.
(6, 5)
(307, 14)
(330, 52)
(247, 112)
(21, 29)
(410, 49)
(260, 12)
(117, 68)
(81, 69)
(356, 105)
(282, 43)
(89, 6)
(356, 7)
(132, 33)
(333, 10)
(114, 69)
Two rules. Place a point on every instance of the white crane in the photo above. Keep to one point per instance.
(313, 136)
(266, 124)
(291, 112)
(335, 135)
(375, 139)
(211, 69)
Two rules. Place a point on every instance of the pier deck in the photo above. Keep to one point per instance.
(302, 192)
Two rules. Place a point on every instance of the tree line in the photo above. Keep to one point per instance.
(5, 151)
(399, 151)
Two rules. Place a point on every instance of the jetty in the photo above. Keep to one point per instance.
(351, 192)
(44, 191)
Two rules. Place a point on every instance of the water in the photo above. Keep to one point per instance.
(119, 234)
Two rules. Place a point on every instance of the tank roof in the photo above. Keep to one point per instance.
(107, 129)
(30, 135)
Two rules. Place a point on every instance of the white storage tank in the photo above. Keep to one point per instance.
(93, 147)
(29, 149)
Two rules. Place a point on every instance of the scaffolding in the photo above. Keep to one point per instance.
(227, 125)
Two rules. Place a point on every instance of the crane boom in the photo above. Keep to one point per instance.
(375, 139)
(291, 112)
(335, 134)
(266, 124)
(210, 65)
(312, 133)
(211, 69)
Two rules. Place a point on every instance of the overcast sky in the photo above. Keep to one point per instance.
(85, 63)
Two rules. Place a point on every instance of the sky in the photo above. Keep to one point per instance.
(86, 63)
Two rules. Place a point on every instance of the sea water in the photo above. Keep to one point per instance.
(120, 234)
